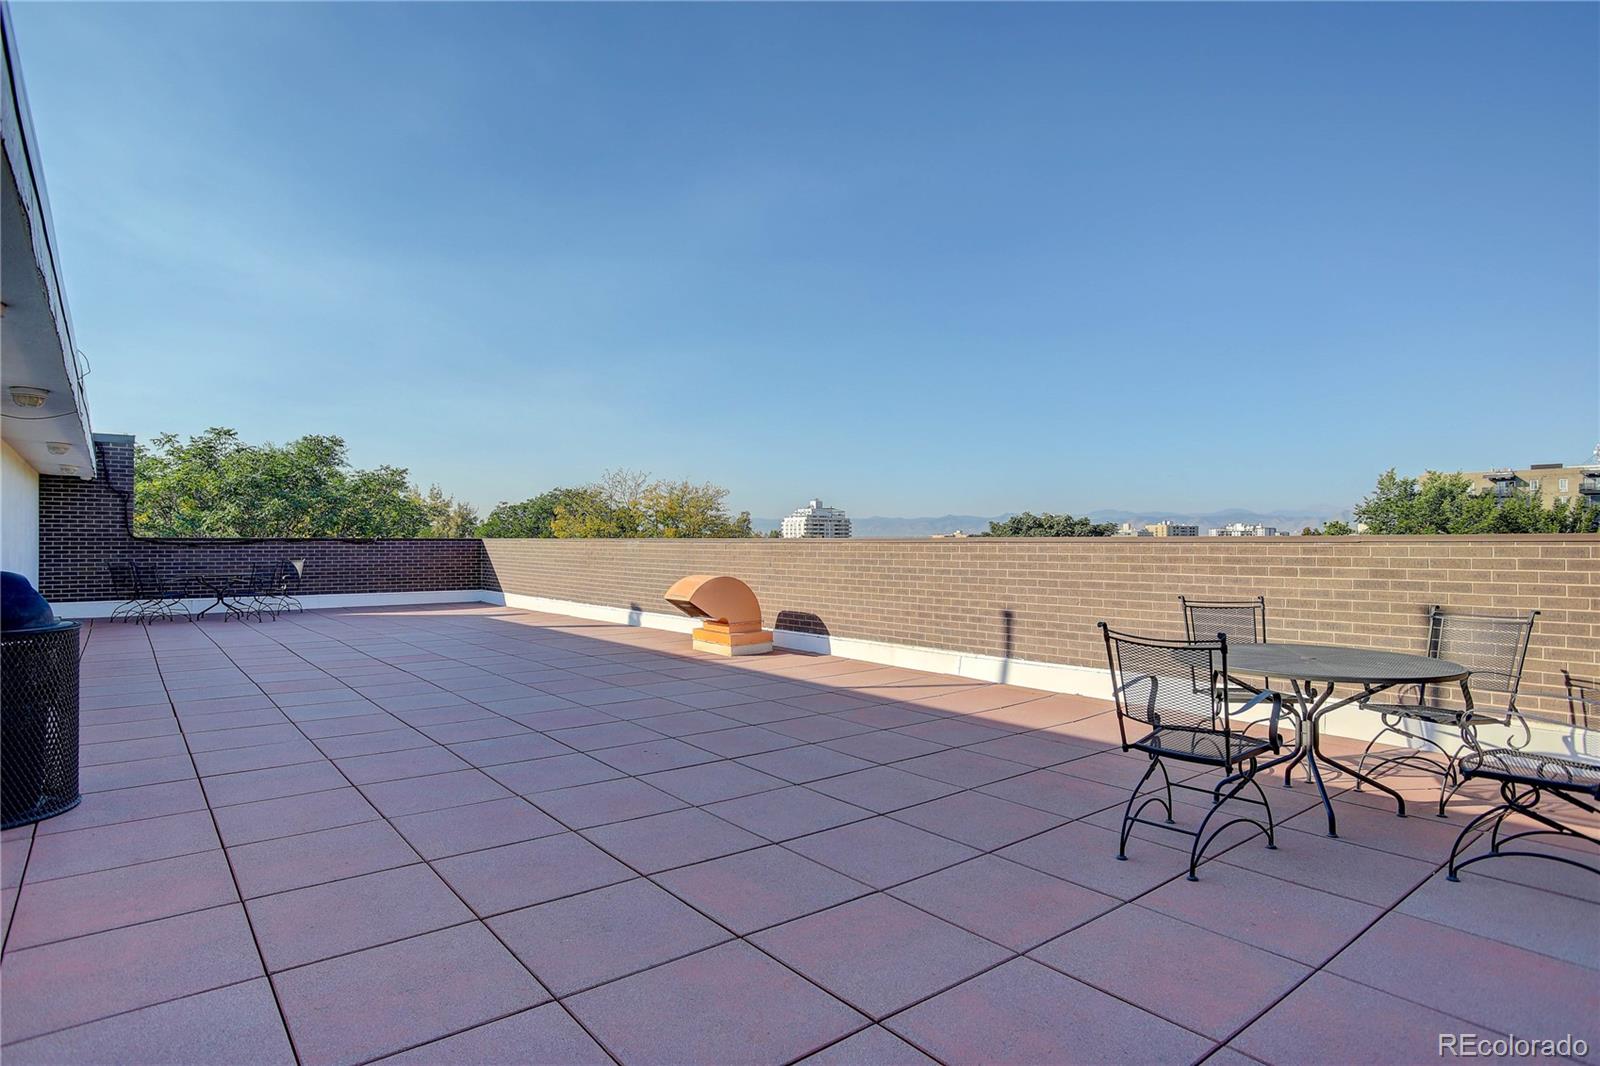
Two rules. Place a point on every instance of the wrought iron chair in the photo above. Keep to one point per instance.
(165, 601)
(1153, 686)
(1525, 778)
(146, 598)
(125, 586)
(1244, 622)
(1494, 648)
(267, 590)
(289, 574)
(256, 594)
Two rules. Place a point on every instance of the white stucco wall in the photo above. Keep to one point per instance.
(19, 515)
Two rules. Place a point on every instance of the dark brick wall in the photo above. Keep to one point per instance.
(85, 525)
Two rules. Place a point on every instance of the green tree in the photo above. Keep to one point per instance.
(448, 518)
(1028, 524)
(532, 517)
(216, 485)
(1446, 503)
(627, 503)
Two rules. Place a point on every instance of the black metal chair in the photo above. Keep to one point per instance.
(1494, 648)
(165, 599)
(1153, 686)
(125, 587)
(266, 591)
(287, 575)
(146, 598)
(259, 592)
(1525, 778)
(1243, 622)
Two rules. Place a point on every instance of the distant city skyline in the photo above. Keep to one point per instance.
(912, 259)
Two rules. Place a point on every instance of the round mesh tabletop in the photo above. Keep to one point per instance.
(1332, 662)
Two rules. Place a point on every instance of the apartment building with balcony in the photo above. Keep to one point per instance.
(1554, 482)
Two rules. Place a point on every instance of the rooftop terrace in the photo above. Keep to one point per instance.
(477, 834)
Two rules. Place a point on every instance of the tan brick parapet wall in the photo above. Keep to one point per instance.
(967, 595)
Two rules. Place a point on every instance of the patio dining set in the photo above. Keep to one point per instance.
(263, 590)
(1210, 698)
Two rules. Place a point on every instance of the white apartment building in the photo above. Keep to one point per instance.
(1158, 529)
(815, 520)
(1245, 529)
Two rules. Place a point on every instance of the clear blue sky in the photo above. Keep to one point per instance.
(912, 259)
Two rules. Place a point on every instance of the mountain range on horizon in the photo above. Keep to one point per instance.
(889, 526)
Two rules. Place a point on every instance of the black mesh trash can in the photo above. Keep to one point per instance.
(38, 707)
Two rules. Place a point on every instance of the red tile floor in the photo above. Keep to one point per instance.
(471, 834)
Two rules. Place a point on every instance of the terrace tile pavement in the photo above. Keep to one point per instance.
(475, 834)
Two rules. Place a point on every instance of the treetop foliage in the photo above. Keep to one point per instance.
(1028, 524)
(216, 485)
(1445, 503)
(533, 517)
(627, 503)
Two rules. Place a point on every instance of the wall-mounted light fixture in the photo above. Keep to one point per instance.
(27, 396)
(57, 447)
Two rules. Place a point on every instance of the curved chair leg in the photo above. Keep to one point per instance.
(1446, 792)
(1168, 782)
(1441, 764)
(1127, 812)
(1272, 842)
(1472, 829)
(1361, 764)
(1202, 841)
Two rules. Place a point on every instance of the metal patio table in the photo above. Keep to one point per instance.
(1313, 671)
(221, 584)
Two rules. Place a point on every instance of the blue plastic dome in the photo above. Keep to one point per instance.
(21, 606)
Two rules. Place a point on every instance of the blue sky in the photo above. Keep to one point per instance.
(912, 259)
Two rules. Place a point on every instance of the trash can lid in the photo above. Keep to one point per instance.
(21, 606)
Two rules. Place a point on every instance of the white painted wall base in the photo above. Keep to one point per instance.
(1051, 677)
(622, 616)
(103, 608)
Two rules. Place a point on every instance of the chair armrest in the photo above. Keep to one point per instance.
(1277, 710)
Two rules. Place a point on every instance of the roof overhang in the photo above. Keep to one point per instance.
(36, 346)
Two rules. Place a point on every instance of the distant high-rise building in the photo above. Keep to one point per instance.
(815, 520)
(1245, 529)
(1158, 529)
